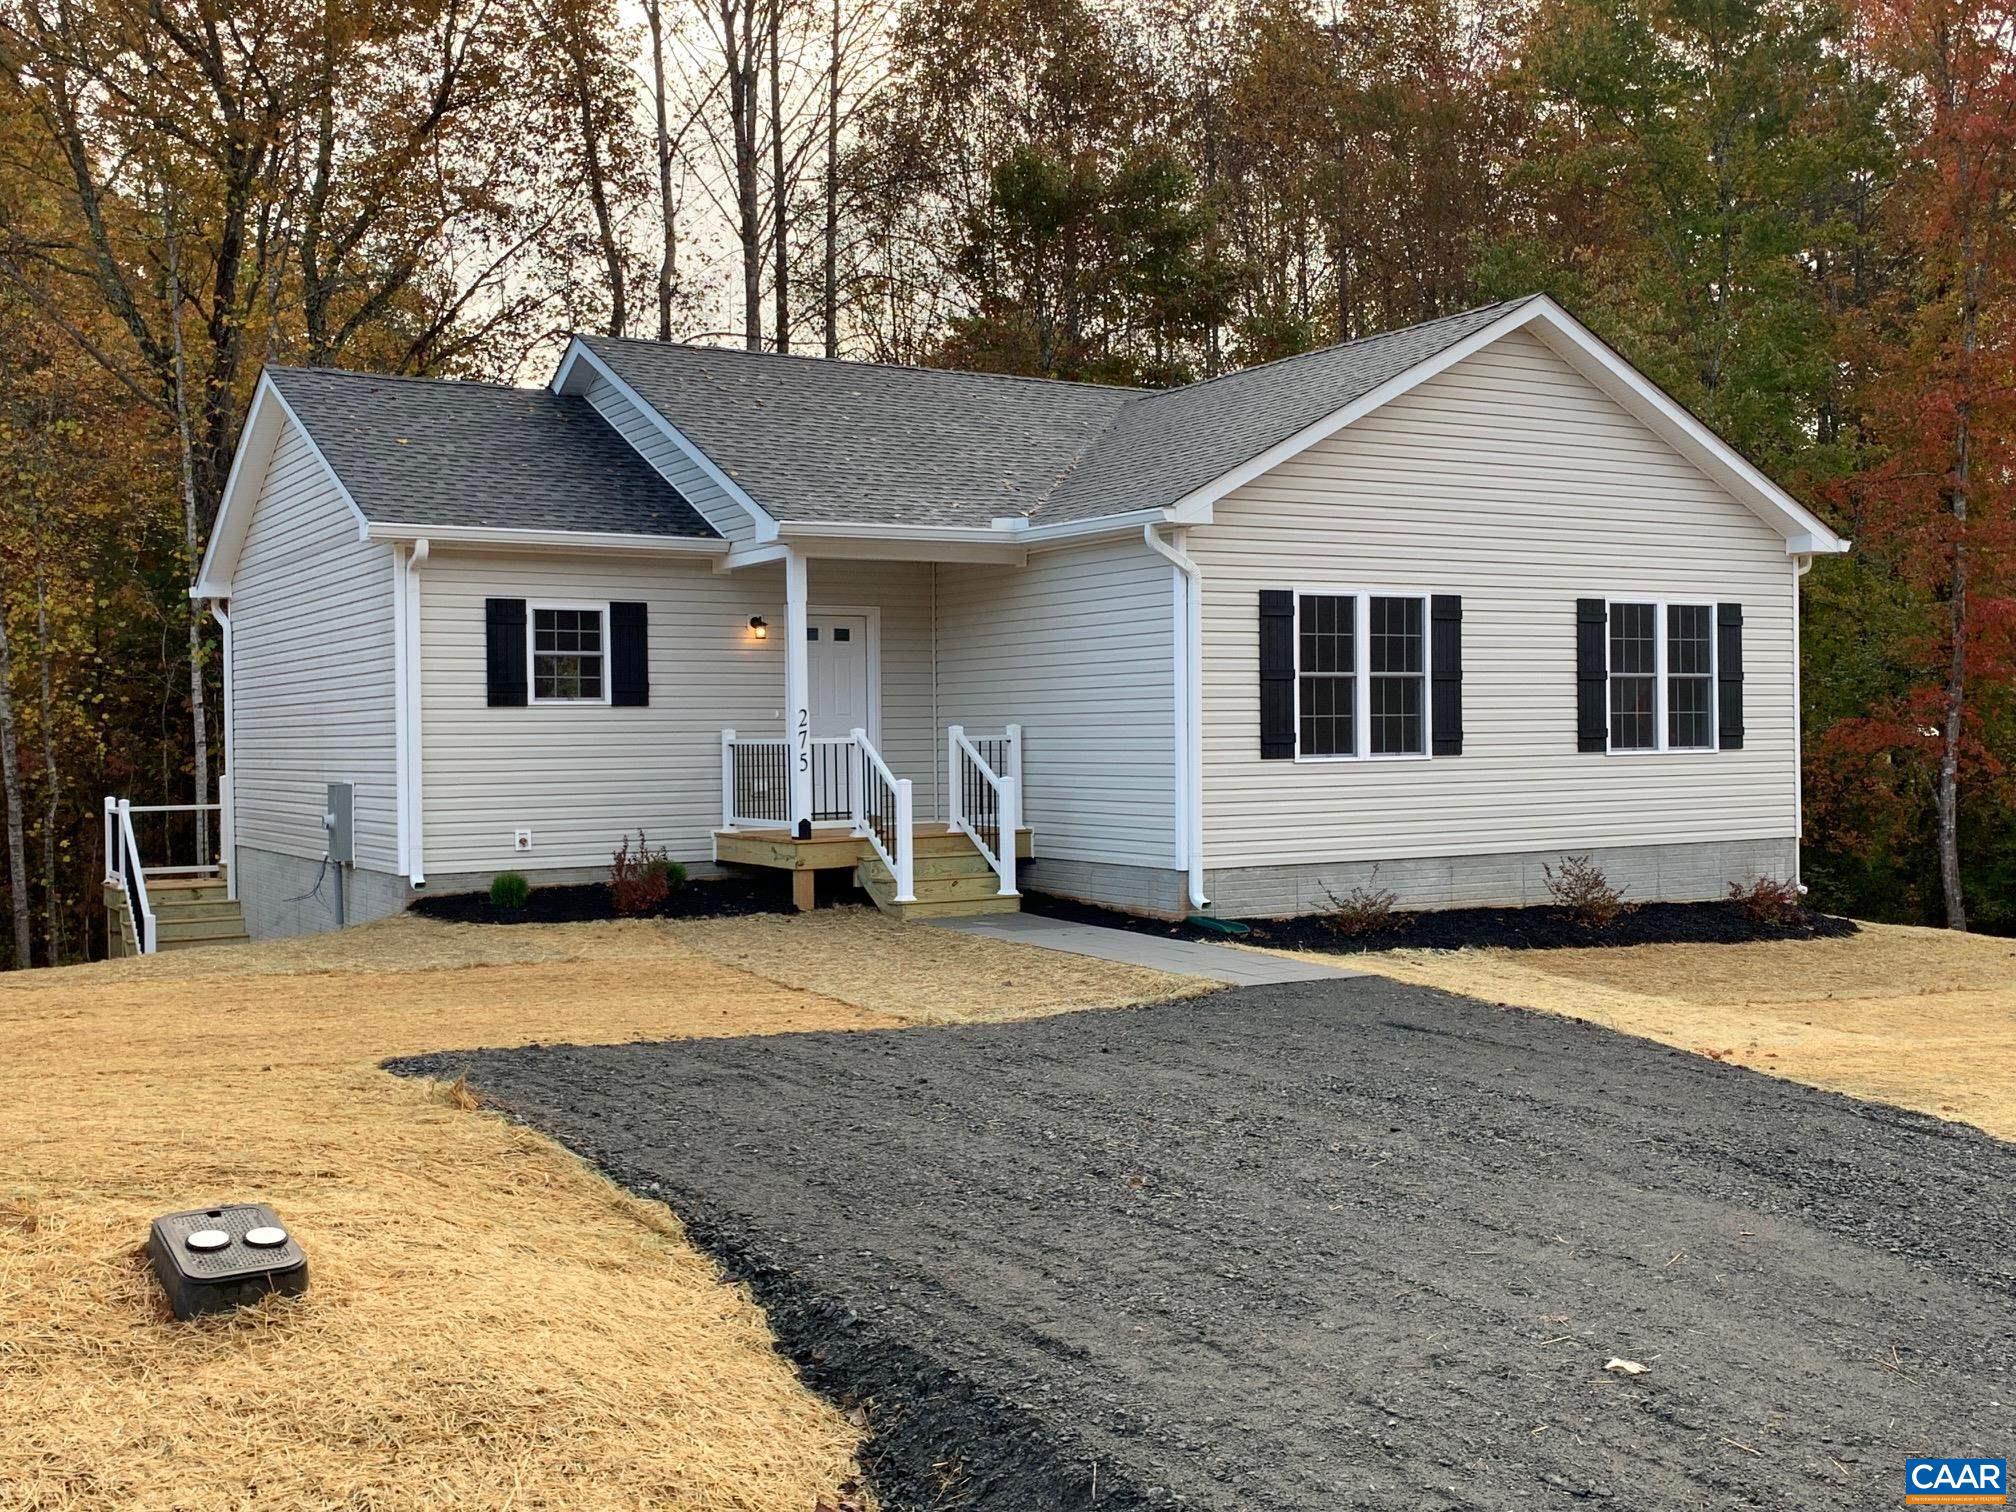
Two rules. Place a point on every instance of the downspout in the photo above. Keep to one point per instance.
(1801, 565)
(227, 824)
(416, 869)
(1188, 674)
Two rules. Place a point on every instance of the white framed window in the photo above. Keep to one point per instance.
(1660, 657)
(1361, 675)
(567, 648)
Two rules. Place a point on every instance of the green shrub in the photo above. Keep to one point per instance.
(671, 871)
(509, 891)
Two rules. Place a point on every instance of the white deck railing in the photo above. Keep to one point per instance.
(851, 784)
(127, 870)
(983, 795)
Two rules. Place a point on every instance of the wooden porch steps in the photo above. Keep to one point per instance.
(952, 880)
(192, 914)
(949, 875)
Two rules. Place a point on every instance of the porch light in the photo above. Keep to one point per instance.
(760, 625)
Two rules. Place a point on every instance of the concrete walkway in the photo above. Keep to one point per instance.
(1197, 958)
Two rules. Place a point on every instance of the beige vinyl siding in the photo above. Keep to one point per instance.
(1076, 647)
(582, 776)
(1512, 480)
(312, 680)
(672, 464)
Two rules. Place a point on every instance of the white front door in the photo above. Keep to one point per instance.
(837, 656)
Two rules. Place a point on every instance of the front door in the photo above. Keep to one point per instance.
(836, 655)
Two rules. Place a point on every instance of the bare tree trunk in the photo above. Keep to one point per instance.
(192, 539)
(780, 194)
(1954, 722)
(668, 246)
(829, 294)
(581, 60)
(52, 784)
(739, 56)
(10, 781)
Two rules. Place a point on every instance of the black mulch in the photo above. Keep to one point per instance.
(1542, 927)
(589, 902)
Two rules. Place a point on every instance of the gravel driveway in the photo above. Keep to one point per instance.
(1322, 1246)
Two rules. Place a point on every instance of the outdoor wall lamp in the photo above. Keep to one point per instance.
(760, 625)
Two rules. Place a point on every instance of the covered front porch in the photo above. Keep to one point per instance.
(860, 774)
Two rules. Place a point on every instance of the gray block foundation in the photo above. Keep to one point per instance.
(292, 895)
(1159, 892)
(1692, 873)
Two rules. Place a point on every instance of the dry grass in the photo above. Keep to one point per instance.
(1920, 1018)
(925, 975)
(490, 1323)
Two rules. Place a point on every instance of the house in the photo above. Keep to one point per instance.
(1421, 612)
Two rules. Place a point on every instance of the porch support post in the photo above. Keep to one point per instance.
(797, 695)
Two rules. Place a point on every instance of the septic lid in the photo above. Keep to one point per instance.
(266, 1238)
(203, 1241)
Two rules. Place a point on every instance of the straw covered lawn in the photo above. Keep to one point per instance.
(490, 1324)
(1922, 1018)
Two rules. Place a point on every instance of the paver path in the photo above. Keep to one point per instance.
(1197, 958)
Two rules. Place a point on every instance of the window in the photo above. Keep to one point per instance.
(1662, 677)
(1327, 671)
(1690, 677)
(569, 655)
(1361, 675)
(1634, 676)
(1399, 663)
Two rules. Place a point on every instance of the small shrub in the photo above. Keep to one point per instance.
(1361, 911)
(509, 892)
(642, 879)
(1584, 892)
(1769, 900)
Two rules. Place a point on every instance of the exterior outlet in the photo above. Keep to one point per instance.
(521, 840)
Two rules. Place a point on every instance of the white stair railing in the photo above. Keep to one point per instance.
(127, 872)
(983, 780)
(884, 816)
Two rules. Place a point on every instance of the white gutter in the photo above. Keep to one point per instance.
(549, 540)
(227, 822)
(406, 639)
(1188, 672)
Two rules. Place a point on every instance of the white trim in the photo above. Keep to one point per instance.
(1803, 531)
(259, 437)
(408, 732)
(1361, 674)
(844, 546)
(1186, 671)
(872, 640)
(554, 540)
(1800, 567)
(578, 352)
(227, 818)
(532, 608)
(797, 692)
(1662, 712)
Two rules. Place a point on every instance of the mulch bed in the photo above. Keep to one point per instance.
(589, 902)
(1541, 927)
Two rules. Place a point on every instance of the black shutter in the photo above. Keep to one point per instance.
(629, 660)
(504, 645)
(1729, 673)
(1277, 674)
(1446, 684)
(1592, 682)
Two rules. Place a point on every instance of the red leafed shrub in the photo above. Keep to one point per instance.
(641, 879)
(1580, 887)
(1769, 900)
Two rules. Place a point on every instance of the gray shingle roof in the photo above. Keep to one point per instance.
(417, 451)
(816, 440)
(819, 441)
